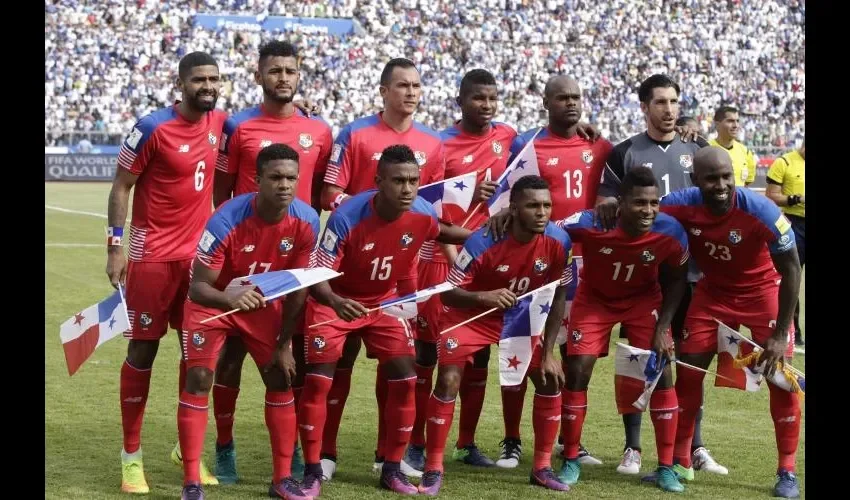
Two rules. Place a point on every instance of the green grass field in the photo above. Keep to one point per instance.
(83, 421)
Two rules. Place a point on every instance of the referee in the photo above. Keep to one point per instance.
(786, 186)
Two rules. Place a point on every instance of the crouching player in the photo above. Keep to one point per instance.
(257, 232)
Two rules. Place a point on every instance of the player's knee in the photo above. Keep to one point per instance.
(399, 368)
(199, 380)
(448, 382)
(275, 381)
(481, 358)
(579, 371)
(142, 353)
(229, 366)
(426, 353)
(666, 380)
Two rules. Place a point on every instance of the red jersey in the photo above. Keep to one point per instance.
(466, 153)
(733, 250)
(374, 254)
(175, 161)
(618, 266)
(246, 133)
(485, 264)
(238, 242)
(358, 147)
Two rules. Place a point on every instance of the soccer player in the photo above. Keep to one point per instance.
(491, 274)
(168, 158)
(745, 248)
(373, 239)
(664, 150)
(269, 230)
(351, 171)
(743, 160)
(634, 274)
(786, 186)
(276, 120)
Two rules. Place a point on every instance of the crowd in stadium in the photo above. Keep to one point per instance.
(107, 63)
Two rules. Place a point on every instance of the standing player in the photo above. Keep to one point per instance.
(351, 170)
(623, 282)
(743, 160)
(740, 240)
(276, 120)
(256, 232)
(169, 157)
(490, 274)
(786, 186)
(662, 149)
(379, 232)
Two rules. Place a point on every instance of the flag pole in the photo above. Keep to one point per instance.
(487, 178)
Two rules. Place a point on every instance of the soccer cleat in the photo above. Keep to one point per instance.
(409, 471)
(630, 464)
(192, 492)
(511, 453)
(328, 463)
(431, 483)
(288, 489)
(585, 458)
(570, 472)
(225, 463)
(378, 465)
(686, 474)
(133, 473)
(311, 486)
(297, 467)
(668, 480)
(703, 461)
(207, 478)
(786, 485)
(546, 478)
(471, 455)
(394, 480)
(414, 457)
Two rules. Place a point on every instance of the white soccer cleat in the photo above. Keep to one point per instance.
(328, 468)
(408, 470)
(702, 460)
(510, 455)
(630, 464)
(377, 468)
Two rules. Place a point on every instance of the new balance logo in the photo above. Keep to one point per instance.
(438, 421)
(503, 268)
(570, 417)
(467, 159)
(136, 399)
(184, 148)
(306, 427)
(552, 161)
(368, 246)
(554, 418)
(606, 250)
(248, 248)
(787, 420)
(333, 401)
(405, 429)
(376, 156)
(665, 416)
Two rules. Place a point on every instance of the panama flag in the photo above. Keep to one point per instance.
(522, 326)
(525, 163)
(636, 371)
(405, 306)
(730, 346)
(456, 191)
(91, 328)
(279, 283)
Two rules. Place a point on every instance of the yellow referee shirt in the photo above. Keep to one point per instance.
(743, 162)
(789, 171)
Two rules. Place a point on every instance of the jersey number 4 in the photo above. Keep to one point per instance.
(384, 265)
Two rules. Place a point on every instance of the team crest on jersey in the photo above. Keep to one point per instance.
(685, 334)
(576, 335)
(647, 165)
(497, 147)
(735, 236)
(145, 320)
(265, 143)
(647, 256)
(305, 140)
(696, 231)
(420, 158)
(686, 161)
(540, 265)
(587, 156)
(406, 239)
(451, 344)
(286, 245)
(319, 343)
(198, 339)
(422, 322)
(212, 138)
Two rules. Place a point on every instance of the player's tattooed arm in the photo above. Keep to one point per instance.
(346, 309)
(788, 266)
(119, 200)
(550, 367)
(451, 234)
(202, 291)
(673, 281)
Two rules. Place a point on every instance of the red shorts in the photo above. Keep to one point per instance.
(155, 295)
(428, 321)
(592, 319)
(458, 347)
(756, 313)
(386, 337)
(258, 329)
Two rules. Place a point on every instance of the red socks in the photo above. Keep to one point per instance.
(440, 415)
(573, 411)
(312, 415)
(191, 428)
(224, 406)
(513, 398)
(785, 410)
(546, 418)
(664, 411)
(689, 395)
(398, 419)
(335, 405)
(424, 379)
(280, 419)
(473, 385)
(134, 396)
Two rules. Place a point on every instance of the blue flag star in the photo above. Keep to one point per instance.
(111, 322)
(732, 339)
(633, 357)
(460, 185)
(544, 308)
(521, 164)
